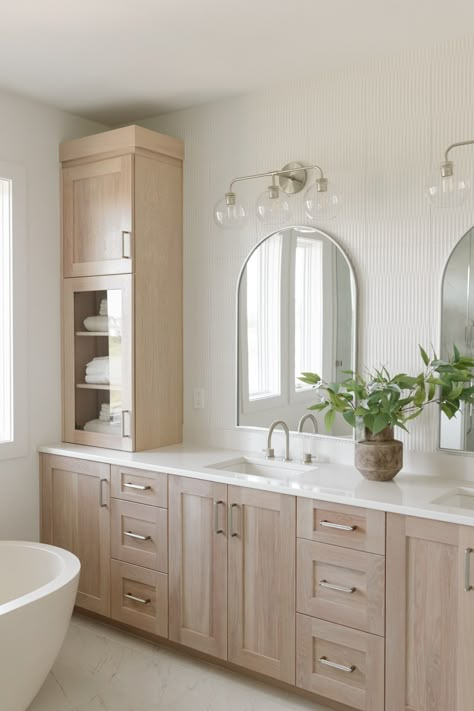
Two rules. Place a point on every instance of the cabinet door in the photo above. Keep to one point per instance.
(76, 516)
(97, 217)
(198, 565)
(97, 361)
(430, 616)
(262, 582)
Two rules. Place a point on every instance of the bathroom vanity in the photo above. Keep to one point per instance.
(357, 592)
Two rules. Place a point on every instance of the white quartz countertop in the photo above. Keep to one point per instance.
(409, 494)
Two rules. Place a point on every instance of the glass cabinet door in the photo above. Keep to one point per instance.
(97, 361)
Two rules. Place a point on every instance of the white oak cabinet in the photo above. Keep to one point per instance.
(430, 615)
(122, 289)
(232, 574)
(75, 515)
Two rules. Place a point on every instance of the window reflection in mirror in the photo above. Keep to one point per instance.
(457, 327)
(296, 313)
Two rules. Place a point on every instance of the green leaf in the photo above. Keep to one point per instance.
(457, 354)
(310, 378)
(380, 422)
(431, 390)
(424, 356)
(329, 419)
(350, 418)
(319, 406)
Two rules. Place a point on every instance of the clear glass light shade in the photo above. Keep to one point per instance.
(321, 205)
(450, 191)
(230, 216)
(274, 211)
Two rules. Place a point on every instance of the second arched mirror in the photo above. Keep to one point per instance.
(296, 312)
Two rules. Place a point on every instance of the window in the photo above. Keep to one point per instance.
(6, 334)
(309, 281)
(13, 313)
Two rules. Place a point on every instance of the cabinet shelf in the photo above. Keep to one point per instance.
(99, 333)
(97, 386)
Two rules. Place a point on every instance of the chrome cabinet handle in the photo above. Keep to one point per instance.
(142, 600)
(136, 535)
(140, 487)
(217, 529)
(126, 431)
(467, 569)
(339, 526)
(102, 504)
(333, 665)
(233, 533)
(332, 586)
(126, 244)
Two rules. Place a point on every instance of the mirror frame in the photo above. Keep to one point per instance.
(355, 344)
(439, 448)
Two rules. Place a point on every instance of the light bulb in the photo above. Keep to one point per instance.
(229, 213)
(447, 188)
(273, 207)
(321, 202)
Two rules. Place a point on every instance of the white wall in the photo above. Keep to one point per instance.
(378, 131)
(29, 135)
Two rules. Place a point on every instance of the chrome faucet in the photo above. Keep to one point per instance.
(307, 456)
(270, 452)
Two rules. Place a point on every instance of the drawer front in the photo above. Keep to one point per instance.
(140, 534)
(341, 585)
(139, 485)
(341, 525)
(140, 598)
(339, 663)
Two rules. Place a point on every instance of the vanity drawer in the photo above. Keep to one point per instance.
(139, 485)
(140, 597)
(341, 585)
(139, 534)
(341, 525)
(339, 663)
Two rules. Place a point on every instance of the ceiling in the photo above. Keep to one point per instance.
(121, 60)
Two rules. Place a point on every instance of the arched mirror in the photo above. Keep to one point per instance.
(296, 304)
(457, 328)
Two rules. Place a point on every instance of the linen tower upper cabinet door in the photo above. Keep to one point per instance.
(97, 217)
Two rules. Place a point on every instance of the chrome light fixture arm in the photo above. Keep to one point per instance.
(297, 183)
(447, 166)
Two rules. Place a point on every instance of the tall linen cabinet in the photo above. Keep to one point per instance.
(122, 289)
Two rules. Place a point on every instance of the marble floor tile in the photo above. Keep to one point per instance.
(104, 669)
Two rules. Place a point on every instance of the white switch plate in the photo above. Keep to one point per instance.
(198, 398)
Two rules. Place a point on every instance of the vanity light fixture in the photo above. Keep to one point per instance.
(273, 206)
(447, 188)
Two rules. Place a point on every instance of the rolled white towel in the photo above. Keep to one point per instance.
(103, 427)
(98, 379)
(96, 369)
(96, 323)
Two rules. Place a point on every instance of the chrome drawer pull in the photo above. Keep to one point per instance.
(142, 600)
(339, 526)
(136, 535)
(340, 588)
(140, 487)
(467, 569)
(333, 665)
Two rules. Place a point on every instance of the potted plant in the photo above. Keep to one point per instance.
(373, 405)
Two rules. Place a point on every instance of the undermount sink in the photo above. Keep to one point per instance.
(268, 468)
(457, 498)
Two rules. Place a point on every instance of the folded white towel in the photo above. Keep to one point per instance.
(96, 323)
(97, 369)
(98, 379)
(103, 308)
(103, 427)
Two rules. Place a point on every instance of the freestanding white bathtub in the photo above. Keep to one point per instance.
(38, 585)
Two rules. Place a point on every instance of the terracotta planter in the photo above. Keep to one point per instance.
(379, 457)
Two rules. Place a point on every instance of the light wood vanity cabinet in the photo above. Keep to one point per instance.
(232, 574)
(122, 289)
(75, 515)
(430, 615)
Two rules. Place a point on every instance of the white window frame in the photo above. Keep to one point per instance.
(18, 446)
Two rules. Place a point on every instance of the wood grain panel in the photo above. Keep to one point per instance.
(155, 483)
(356, 571)
(150, 611)
(363, 687)
(198, 565)
(368, 525)
(139, 519)
(262, 582)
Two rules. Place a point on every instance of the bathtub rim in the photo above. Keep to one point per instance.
(70, 570)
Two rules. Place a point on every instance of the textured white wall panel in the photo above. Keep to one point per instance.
(379, 131)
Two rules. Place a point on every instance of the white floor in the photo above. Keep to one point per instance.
(102, 669)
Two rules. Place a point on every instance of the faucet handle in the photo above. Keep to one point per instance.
(307, 458)
(270, 453)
